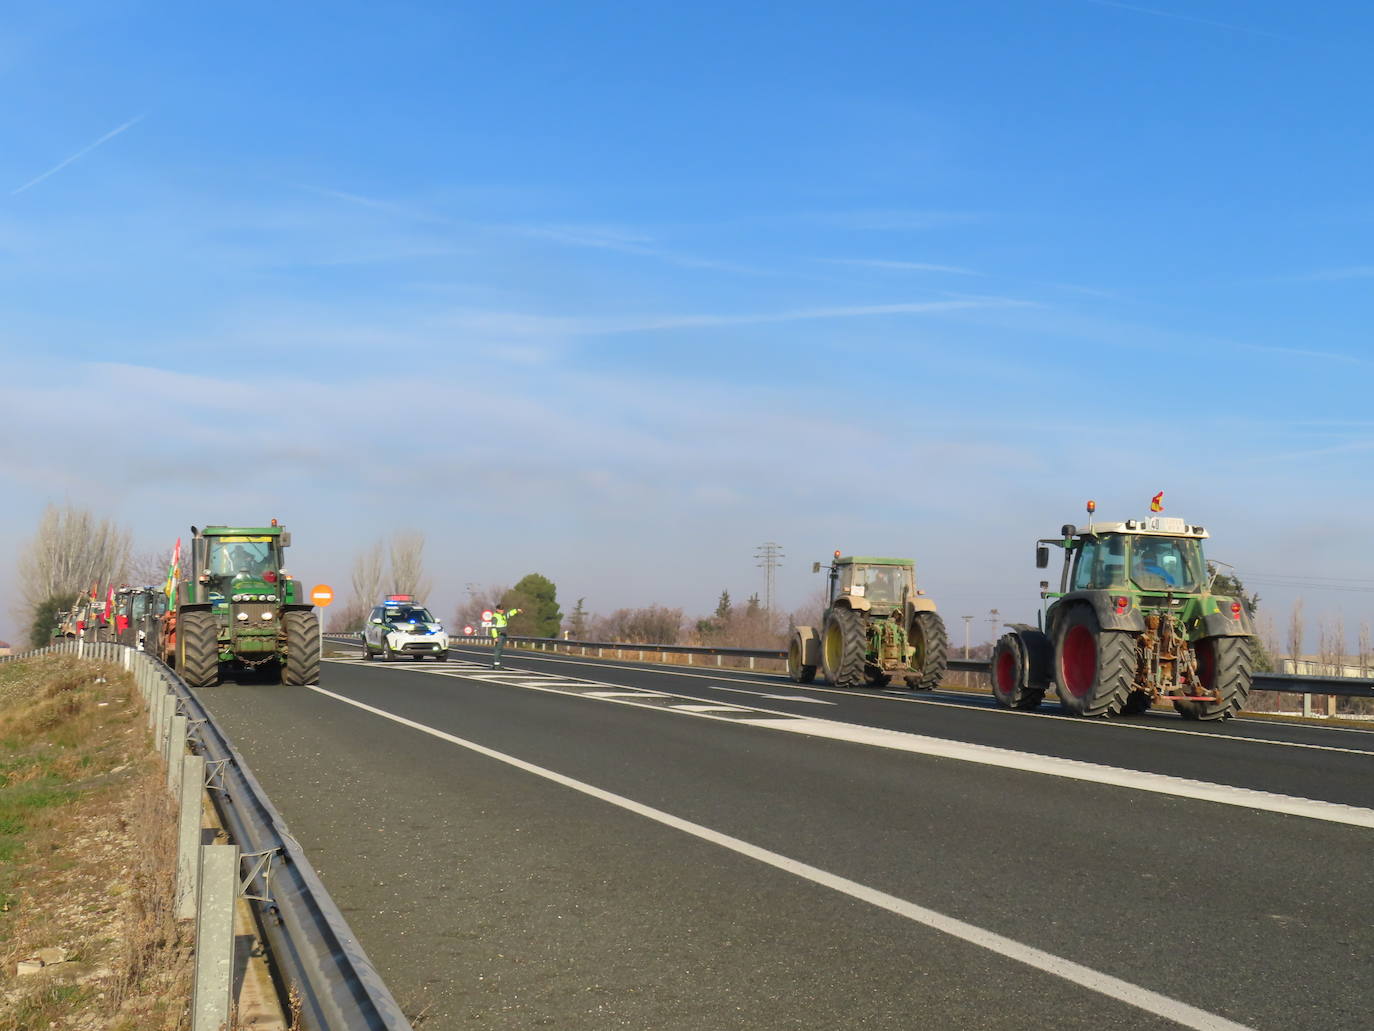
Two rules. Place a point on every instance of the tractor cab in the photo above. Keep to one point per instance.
(1146, 556)
(877, 585)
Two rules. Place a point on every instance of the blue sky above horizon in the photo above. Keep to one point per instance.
(616, 292)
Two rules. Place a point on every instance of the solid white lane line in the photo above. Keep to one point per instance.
(1085, 977)
(1075, 769)
(708, 708)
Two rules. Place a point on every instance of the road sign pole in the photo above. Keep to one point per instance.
(321, 596)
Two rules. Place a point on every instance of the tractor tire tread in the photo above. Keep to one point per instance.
(302, 663)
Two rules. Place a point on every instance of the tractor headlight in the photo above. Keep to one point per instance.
(242, 616)
(267, 615)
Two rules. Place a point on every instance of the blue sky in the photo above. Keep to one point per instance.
(616, 292)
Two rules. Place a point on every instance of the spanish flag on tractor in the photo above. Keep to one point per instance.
(1157, 502)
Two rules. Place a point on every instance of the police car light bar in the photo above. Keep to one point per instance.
(400, 597)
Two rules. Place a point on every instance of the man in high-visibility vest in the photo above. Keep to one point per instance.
(499, 619)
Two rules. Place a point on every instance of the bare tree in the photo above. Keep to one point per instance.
(147, 568)
(70, 551)
(407, 564)
(368, 574)
(1297, 630)
(348, 617)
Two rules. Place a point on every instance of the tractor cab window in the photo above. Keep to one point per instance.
(242, 557)
(1166, 563)
(1100, 563)
(882, 584)
(139, 608)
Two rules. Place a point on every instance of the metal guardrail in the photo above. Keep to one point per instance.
(1284, 683)
(307, 936)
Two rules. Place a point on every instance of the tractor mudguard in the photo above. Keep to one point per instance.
(922, 604)
(1103, 607)
(810, 645)
(853, 604)
(306, 607)
(1220, 624)
(195, 607)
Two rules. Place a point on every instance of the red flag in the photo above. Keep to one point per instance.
(109, 604)
(1157, 502)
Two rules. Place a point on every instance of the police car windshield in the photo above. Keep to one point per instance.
(408, 614)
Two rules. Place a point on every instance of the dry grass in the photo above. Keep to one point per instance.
(86, 855)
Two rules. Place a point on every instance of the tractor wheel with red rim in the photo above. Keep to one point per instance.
(1015, 684)
(1225, 668)
(1094, 669)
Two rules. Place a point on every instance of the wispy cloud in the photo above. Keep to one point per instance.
(1155, 12)
(1299, 352)
(902, 266)
(625, 242)
(514, 325)
(891, 220)
(78, 155)
(1332, 274)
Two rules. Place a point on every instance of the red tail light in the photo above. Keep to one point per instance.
(1122, 604)
(1235, 610)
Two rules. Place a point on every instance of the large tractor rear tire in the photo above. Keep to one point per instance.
(198, 649)
(302, 665)
(931, 658)
(1018, 679)
(1094, 669)
(1225, 667)
(796, 669)
(843, 645)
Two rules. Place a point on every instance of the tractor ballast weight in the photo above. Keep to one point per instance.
(1134, 622)
(876, 625)
(239, 610)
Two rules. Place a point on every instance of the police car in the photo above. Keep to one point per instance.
(398, 626)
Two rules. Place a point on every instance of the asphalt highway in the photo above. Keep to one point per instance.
(589, 844)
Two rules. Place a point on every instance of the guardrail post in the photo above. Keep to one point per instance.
(188, 835)
(1307, 704)
(176, 748)
(751, 662)
(718, 658)
(689, 658)
(214, 979)
(167, 707)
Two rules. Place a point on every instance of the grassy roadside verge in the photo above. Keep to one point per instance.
(87, 846)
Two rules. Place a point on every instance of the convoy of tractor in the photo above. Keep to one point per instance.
(1134, 622)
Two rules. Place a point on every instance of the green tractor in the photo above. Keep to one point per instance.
(239, 611)
(1134, 622)
(876, 625)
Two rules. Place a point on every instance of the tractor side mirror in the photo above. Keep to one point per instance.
(286, 538)
(815, 567)
(1042, 557)
(378, 622)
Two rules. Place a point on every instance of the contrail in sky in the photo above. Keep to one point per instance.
(78, 155)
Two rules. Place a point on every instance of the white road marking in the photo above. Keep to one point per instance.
(941, 698)
(1094, 980)
(1076, 769)
(619, 694)
(708, 708)
(796, 698)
